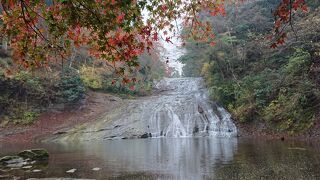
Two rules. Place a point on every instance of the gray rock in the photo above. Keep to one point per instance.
(59, 132)
(96, 169)
(71, 171)
(26, 167)
(17, 164)
(145, 135)
(12, 161)
(181, 108)
(34, 154)
(36, 170)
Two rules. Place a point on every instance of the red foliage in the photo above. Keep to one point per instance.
(283, 17)
(114, 31)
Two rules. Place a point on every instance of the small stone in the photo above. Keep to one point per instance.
(36, 170)
(33, 162)
(145, 135)
(71, 171)
(15, 168)
(59, 132)
(26, 167)
(96, 169)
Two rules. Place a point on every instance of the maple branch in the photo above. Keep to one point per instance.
(291, 21)
(92, 12)
(27, 6)
(35, 29)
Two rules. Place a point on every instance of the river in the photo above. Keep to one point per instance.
(176, 133)
(177, 158)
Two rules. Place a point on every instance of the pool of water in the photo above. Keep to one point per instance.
(176, 158)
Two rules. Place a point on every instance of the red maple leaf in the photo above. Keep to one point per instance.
(120, 18)
(168, 40)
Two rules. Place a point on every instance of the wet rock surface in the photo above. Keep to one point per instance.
(34, 154)
(27, 160)
(12, 161)
(146, 135)
(180, 107)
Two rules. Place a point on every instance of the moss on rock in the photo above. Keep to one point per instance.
(34, 154)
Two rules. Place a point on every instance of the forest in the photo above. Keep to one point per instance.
(278, 87)
(159, 89)
(26, 94)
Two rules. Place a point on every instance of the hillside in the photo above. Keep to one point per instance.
(277, 90)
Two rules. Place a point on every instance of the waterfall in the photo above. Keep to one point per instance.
(179, 107)
(183, 109)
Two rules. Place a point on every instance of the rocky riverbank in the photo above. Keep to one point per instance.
(56, 121)
(260, 130)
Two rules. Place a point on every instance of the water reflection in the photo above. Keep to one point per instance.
(177, 158)
(270, 159)
(180, 158)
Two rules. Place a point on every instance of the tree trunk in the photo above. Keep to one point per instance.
(4, 45)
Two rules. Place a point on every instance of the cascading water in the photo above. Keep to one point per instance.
(179, 108)
(183, 109)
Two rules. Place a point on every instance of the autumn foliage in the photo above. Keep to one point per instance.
(43, 32)
(284, 15)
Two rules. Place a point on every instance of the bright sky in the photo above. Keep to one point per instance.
(171, 51)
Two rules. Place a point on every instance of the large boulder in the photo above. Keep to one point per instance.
(34, 154)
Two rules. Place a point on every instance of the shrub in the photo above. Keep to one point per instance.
(23, 96)
(29, 117)
(70, 87)
(91, 78)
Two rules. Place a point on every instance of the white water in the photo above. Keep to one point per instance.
(183, 109)
(179, 108)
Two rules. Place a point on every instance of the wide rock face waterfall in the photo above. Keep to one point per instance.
(182, 109)
(179, 108)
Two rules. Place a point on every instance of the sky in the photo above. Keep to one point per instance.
(171, 51)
